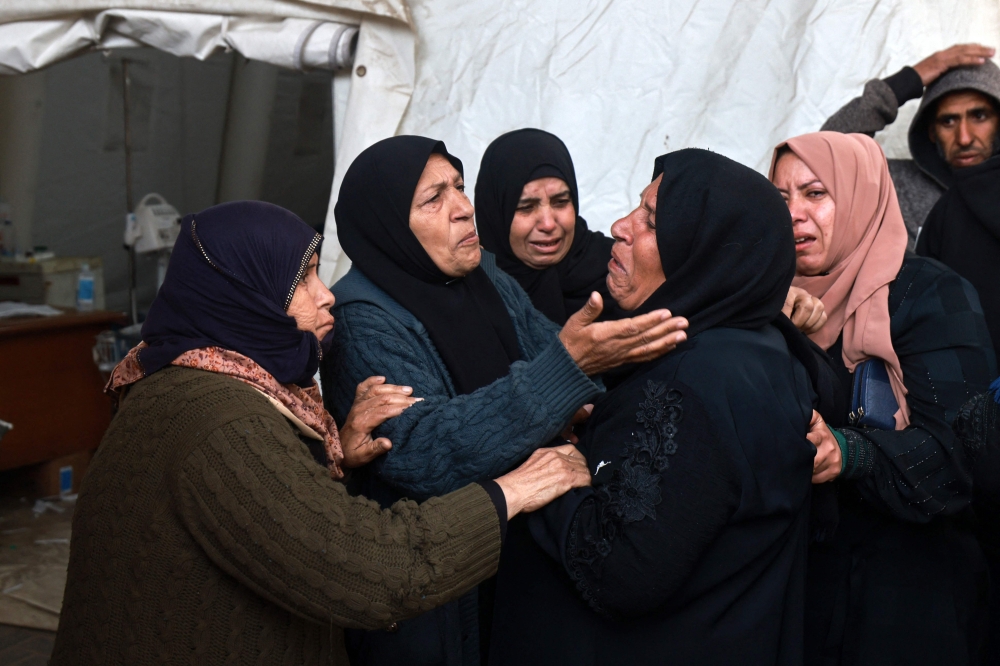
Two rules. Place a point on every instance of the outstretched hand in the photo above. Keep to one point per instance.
(598, 347)
(375, 402)
(936, 64)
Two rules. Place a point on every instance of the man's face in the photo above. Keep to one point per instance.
(634, 271)
(964, 128)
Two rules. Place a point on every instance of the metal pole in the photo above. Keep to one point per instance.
(126, 86)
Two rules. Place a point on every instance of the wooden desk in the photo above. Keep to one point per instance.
(50, 387)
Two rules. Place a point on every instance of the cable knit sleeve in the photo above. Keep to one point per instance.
(269, 516)
(448, 441)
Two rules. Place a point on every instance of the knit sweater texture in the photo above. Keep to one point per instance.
(449, 440)
(206, 533)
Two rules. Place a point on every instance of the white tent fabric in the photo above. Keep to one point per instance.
(291, 42)
(621, 81)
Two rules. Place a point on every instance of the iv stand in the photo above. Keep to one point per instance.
(126, 86)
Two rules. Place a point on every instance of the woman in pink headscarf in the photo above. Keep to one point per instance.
(896, 574)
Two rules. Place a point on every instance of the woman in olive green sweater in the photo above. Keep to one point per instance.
(211, 527)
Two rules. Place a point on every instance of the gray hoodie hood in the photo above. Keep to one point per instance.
(983, 78)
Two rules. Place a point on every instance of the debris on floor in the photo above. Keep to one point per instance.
(34, 554)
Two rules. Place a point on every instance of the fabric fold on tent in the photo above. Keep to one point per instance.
(293, 43)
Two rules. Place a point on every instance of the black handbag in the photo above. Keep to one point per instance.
(873, 404)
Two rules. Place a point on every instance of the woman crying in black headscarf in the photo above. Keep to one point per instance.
(498, 380)
(690, 546)
(528, 215)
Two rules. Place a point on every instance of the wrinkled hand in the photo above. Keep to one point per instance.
(828, 462)
(375, 402)
(936, 64)
(597, 347)
(581, 415)
(546, 475)
(805, 310)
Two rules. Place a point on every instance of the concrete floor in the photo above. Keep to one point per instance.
(18, 645)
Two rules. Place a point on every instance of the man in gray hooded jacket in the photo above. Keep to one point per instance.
(921, 181)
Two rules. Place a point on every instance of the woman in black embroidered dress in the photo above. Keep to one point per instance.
(690, 546)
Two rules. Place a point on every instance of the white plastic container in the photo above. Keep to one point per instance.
(85, 289)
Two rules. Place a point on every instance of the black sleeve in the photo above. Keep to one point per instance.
(942, 345)
(906, 85)
(828, 390)
(929, 239)
(663, 501)
(499, 500)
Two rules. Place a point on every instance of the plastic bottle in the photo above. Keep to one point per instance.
(85, 289)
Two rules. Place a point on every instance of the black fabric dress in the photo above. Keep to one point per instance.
(899, 577)
(963, 232)
(690, 546)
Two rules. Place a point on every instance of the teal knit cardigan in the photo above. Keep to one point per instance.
(449, 440)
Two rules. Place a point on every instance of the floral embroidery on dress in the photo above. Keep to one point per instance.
(633, 492)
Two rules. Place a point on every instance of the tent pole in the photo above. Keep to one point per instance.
(126, 85)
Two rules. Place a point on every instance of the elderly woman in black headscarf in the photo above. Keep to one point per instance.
(211, 526)
(425, 307)
(528, 216)
(690, 547)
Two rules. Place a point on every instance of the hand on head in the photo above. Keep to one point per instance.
(959, 55)
(597, 347)
(546, 475)
(375, 402)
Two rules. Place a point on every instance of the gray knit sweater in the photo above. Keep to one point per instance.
(205, 533)
(449, 440)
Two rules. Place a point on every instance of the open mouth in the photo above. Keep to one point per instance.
(615, 266)
(546, 246)
(803, 242)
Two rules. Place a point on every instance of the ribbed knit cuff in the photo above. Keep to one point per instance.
(499, 500)
(558, 382)
(475, 547)
(842, 443)
(905, 84)
(858, 452)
